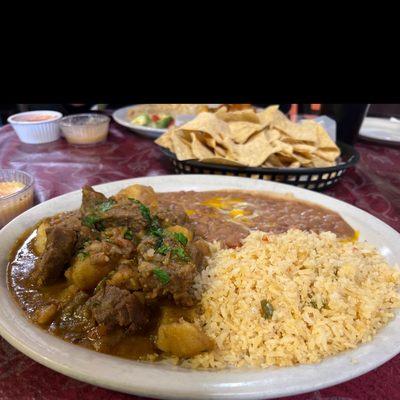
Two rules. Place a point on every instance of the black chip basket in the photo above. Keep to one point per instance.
(310, 178)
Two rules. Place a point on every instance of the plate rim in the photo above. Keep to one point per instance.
(147, 129)
(383, 121)
(138, 389)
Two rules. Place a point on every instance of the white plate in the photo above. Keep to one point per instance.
(163, 381)
(120, 116)
(380, 129)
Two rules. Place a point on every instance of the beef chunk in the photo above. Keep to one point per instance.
(199, 250)
(99, 213)
(115, 307)
(177, 273)
(124, 213)
(59, 250)
(72, 221)
(75, 319)
(90, 200)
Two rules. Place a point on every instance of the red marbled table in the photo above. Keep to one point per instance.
(373, 185)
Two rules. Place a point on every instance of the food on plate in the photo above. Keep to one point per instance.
(205, 279)
(292, 298)
(249, 138)
(161, 116)
(33, 117)
(7, 188)
(85, 129)
(16, 194)
(154, 120)
(228, 107)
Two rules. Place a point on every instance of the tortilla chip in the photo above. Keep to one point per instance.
(210, 141)
(242, 130)
(303, 159)
(272, 134)
(273, 161)
(303, 148)
(220, 151)
(246, 138)
(254, 152)
(270, 114)
(324, 140)
(209, 123)
(165, 140)
(284, 148)
(199, 149)
(182, 148)
(328, 155)
(247, 115)
(299, 132)
(222, 161)
(319, 162)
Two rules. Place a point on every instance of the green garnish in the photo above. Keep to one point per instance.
(142, 119)
(128, 234)
(163, 249)
(164, 122)
(161, 275)
(181, 238)
(106, 205)
(313, 303)
(143, 209)
(267, 309)
(155, 228)
(180, 253)
(91, 221)
(83, 254)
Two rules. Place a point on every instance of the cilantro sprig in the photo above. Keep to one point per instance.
(93, 221)
(128, 234)
(162, 275)
(155, 229)
(106, 205)
(181, 238)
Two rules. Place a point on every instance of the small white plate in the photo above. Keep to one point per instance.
(120, 116)
(380, 129)
(168, 382)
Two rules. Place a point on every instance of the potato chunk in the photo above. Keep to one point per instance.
(144, 194)
(181, 229)
(40, 241)
(171, 313)
(45, 314)
(182, 339)
(86, 275)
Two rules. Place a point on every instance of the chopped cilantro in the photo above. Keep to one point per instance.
(143, 209)
(91, 220)
(155, 228)
(161, 275)
(313, 303)
(180, 253)
(267, 309)
(181, 238)
(128, 234)
(159, 243)
(106, 205)
(163, 249)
